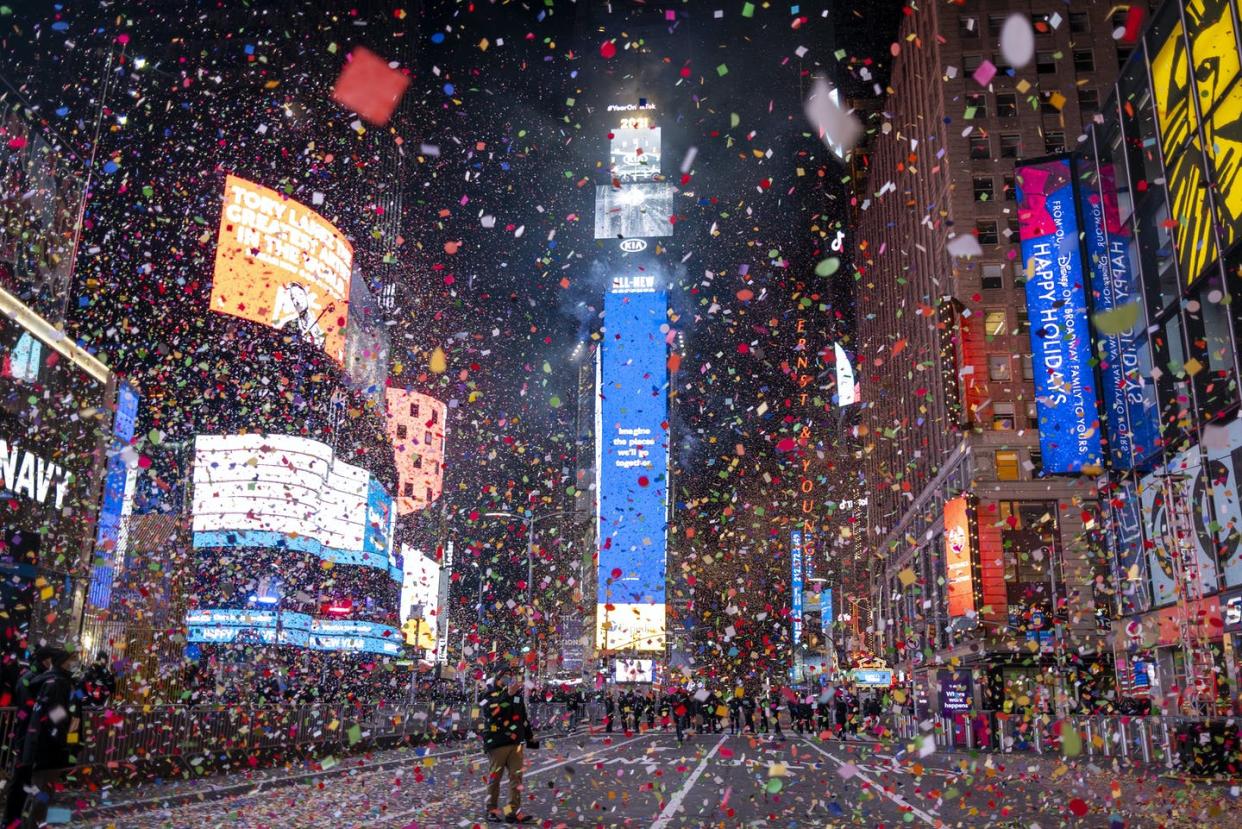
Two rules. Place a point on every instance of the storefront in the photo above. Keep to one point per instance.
(1231, 616)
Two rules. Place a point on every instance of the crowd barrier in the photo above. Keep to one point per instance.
(186, 735)
(1201, 746)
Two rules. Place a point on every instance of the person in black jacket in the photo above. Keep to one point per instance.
(52, 720)
(23, 701)
(99, 684)
(506, 732)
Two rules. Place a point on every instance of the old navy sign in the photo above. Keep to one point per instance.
(1056, 301)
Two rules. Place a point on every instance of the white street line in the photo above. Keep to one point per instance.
(674, 802)
(481, 789)
(895, 798)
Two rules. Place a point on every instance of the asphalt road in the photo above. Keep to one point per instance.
(713, 780)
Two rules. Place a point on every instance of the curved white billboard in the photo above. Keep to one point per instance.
(290, 492)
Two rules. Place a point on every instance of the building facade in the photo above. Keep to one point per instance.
(983, 584)
(1164, 162)
(416, 426)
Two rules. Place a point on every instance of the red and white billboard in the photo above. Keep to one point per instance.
(416, 429)
(959, 556)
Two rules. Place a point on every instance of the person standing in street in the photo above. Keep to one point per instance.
(610, 708)
(506, 733)
(99, 684)
(52, 719)
(24, 694)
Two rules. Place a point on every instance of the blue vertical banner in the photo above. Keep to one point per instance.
(108, 532)
(632, 467)
(1129, 403)
(796, 584)
(1056, 302)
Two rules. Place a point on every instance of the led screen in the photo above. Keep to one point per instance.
(1056, 301)
(292, 493)
(795, 559)
(959, 557)
(282, 264)
(631, 413)
(223, 626)
(634, 670)
(640, 210)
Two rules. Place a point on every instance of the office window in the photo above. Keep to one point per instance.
(993, 278)
(996, 22)
(418, 461)
(1007, 105)
(407, 489)
(986, 231)
(435, 416)
(979, 102)
(1010, 145)
(1024, 319)
(427, 439)
(1046, 107)
(402, 431)
(1037, 458)
(980, 149)
(994, 323)
(1123, 55)
(983, 187)
(1088, 101)
(1054, 141)
(1007, 467)
(430, 496)
(998, 367)
(1012, 230)
(968, 26)
(413, 410)
(1084, 60)
(1045, 63)
(1079, 22)
(1032, 414)
(1010, 188)
(1028, 367)
(1002, 417)
(970, 63)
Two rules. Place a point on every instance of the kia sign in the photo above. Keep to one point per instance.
(633, 245)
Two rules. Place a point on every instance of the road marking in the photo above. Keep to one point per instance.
(895, 798)
(549, 767)
(674, 803)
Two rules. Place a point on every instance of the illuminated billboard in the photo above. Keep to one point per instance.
(635, 210)
(416, 427)
(632, 469)
(796, 584)
(634, 670)
(960, 554)
(118, 485)
(1056, 301)
(281, 264)
(847, 388)
(228, 626)
(1125, 362)
(291, 493)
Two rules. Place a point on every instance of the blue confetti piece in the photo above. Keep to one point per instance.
(110, 167)
(62, 111)
(249, 50)
(448, 89)
(835, 809)
(438, 37)
(60, 26)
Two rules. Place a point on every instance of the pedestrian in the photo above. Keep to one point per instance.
(52, 719)
(840, 709)
(610, 708)
(506, 734)
(24, 694)
(650, 708)
(774, 705)
(748, 713)
(735, 714)
(99, 683)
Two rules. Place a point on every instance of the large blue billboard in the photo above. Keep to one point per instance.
(224, 626)
(632, 466)
(1056, 302)
(796, 584)
(1125, 363)
(108, 530)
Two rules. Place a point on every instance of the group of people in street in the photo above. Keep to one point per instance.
(47, 697)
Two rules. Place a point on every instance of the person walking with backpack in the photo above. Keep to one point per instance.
(52, 719)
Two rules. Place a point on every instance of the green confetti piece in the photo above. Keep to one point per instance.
(1117, 320)
(722, 70)
(748, 10)
(828, 266)
(354, 733)
(1071, 741)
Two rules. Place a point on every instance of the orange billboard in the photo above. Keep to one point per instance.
(282, 264)
(959, 556)
(416, 428)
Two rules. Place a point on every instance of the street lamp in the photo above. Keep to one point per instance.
(529, 519)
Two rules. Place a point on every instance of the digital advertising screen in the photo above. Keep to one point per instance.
(959, 556)
(796, 584)
(634, 670)
(634, 151)
(292, 493)
(636, 210)
(281, 264)
(632, 469)
(416, 427)
(226, 626)
(1125, 362)
(116, 480)
(1056, 302)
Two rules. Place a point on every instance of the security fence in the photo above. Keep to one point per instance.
(1200, 746)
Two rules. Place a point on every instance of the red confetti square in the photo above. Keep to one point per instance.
(369, 87)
